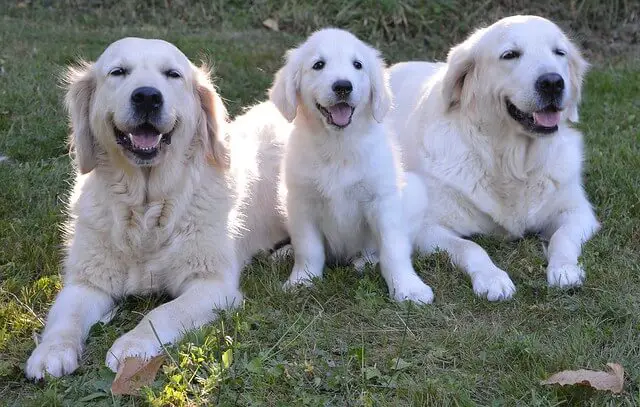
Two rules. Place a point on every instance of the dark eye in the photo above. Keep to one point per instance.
(172, 73)
(560, 52)
(512, 54)
(119, 71)
(318, 65)
(357, 64)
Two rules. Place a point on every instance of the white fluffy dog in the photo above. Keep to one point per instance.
(489, 133)
(161, 202)
(342, 177)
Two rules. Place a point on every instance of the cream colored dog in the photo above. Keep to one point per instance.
(489, 133)
(343, 180)
(162, 202)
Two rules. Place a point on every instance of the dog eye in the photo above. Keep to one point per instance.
(172, 73)
(318, 65)
(119, 71)
(357, 64)
(559, 52)
(510, 55)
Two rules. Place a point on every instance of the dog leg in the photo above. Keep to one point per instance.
(395, 253)
(75, 310)
(572, 229)
(308, 251)
(193, 308)
(487, 279)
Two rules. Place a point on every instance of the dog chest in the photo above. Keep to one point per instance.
(341, 218)
(515, 205)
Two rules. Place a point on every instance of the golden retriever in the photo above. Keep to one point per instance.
(344, 182)
(162, 202)
(489, 132)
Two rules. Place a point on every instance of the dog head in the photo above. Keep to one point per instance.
(523, 69)
(142, 100)
(335, 77)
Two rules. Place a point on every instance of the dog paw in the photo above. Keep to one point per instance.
(569, 275)
(494, 286)
(132, 345)
(281, 254)
(414, 290)
(55, 358)
(367, 258)
(300, 277)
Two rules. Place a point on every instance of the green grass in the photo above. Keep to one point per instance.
(342, 342)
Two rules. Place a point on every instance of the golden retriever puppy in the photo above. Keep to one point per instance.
(489, 132)
(159, 204)
(344, 183)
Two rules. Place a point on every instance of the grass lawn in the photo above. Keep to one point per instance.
(342, 343)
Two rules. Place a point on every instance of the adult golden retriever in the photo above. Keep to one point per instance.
(489, 132)
(162, 201)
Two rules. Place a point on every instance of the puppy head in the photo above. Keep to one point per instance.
(335, 77)
(142, 100)
(522, 69)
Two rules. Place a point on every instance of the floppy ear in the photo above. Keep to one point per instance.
(80, 83)
(578, 67)
(215, 115)
(460, 63)
(380, 91)
(284, 92)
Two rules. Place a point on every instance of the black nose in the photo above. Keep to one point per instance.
(342, 87)
(550, 85)
(146, 99)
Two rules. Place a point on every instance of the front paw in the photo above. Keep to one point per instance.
(569, 275)
(300, 277)
(412, 288)
(132, 344)
(281, 254)
(56, 358)
(366, 258)
(494, 286)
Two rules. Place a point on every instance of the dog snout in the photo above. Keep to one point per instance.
(550, 85)
(146, 99)
(342, 87)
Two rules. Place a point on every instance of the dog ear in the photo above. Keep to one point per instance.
(380, 90)
(460, 63)
(80, 84)
(578, 67)
(284, 92)
(215, 114)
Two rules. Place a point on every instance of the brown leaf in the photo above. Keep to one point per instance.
(271, 24)
(135, 373)
(613, 380)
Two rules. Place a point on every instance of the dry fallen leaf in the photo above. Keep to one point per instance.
(271, 24)
(612, 380)
(134, 374)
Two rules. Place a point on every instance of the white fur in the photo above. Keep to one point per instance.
(344, 186)
(177, 224)
(484, 173)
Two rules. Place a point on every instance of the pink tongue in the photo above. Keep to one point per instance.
(145, 139)
(340, 114)
(546, 119)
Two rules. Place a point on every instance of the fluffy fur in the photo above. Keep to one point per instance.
(343, 179)
(486, 170)
(162, 202)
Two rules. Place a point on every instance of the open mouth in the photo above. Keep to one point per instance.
(544, 121)
(338, 115)
(143, 141)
